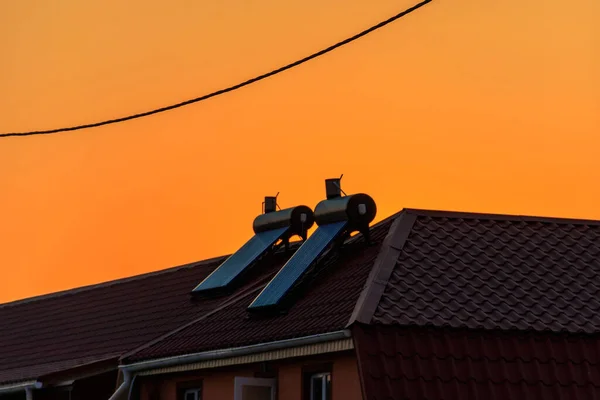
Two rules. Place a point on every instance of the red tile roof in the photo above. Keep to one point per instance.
(48, 334)
(445, 364)
(500, 278)
(482, 307)
(439, 269)
(36, 371)
(326, 302)
(494, 272)
(51, 333)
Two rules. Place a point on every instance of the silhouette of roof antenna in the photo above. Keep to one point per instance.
(270, 204)
(333, 187)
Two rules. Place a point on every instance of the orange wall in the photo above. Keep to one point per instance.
(289, 381)
(215, 384)
(219, 384)
(346, 381)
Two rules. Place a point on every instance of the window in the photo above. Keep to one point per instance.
(191, 390)
(192, 394)
(320, 386)
(316, 382)
(254, 388)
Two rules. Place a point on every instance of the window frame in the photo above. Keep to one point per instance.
(197, 392)
(320, 375)
(186, 386)
(309, 371)
(240, 381)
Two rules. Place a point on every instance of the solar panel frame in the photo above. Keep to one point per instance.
(297, 265)
(239, 261)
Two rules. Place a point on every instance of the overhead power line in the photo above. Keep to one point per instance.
(230, 88)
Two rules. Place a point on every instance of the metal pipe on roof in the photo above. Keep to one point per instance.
(21, 386)
(231, 352)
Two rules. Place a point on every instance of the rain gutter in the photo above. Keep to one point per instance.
(129, 370)
(27, 386)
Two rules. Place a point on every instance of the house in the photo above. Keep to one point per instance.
(422, 305)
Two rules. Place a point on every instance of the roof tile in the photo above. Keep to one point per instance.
(435, 364)
(50, 333)
(495, 272)
(325, 305)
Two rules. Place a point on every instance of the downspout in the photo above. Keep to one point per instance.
(122, 392)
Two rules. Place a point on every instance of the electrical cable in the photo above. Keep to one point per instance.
(230, 88)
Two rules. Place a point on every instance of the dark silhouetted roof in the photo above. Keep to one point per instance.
(47, 334)
(467, 291)
(441, 269)
(324, 304)
(493, 272)
(443, 364)
(482, 307)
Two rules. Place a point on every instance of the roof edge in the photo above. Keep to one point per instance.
(382, 268)
(304, 350)
(233, 351)
(82, 371)
(110, 283)
(499, 217)
(76, 370)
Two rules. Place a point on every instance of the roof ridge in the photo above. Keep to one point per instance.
(382, 268)
(499, 216)
(110, 282)
(384, 221)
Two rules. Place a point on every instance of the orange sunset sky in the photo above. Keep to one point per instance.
(476, 105)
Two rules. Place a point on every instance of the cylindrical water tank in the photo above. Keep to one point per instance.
(358, 209)
(299, 219)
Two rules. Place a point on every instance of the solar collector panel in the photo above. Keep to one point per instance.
(296, 266)
(231, 268)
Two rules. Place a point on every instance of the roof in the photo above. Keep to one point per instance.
(77, 328)
(495, 274)
(490, 271)
(482, 307)
(429, 268)
(80, 327)
(51, 333)
(325, 303)
(435, 364)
